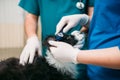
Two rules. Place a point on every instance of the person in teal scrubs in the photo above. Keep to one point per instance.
(50, 12)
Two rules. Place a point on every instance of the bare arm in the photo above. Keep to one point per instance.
(109, 57)
(31, 25)
(32, 44)
(90, 12)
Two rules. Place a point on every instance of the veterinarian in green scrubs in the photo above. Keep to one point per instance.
(50, 12)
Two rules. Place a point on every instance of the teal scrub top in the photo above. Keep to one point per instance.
(51, 11)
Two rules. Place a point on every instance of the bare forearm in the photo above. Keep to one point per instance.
(109, 57)
(31, 25)
(90, 12)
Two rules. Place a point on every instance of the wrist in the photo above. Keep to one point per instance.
(75, 56)
(84, 20)
(31, 35)
(32, 38)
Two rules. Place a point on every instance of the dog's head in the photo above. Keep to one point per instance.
(76, 39)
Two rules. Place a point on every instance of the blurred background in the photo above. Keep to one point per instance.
(12, 36)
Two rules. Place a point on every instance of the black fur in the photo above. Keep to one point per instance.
(10, 69)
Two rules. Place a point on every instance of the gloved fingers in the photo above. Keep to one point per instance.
(26, 56)
(22, 56)
(39, 52)
(21, 60)
(68, 27)
(54, 47)
(59, 44)
(60, 25)
(32, 55)
(53, 43)
(78, 46)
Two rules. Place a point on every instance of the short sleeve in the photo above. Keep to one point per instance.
(31, 6)
(91, 2)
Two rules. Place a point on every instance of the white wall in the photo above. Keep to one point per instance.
(11, 24)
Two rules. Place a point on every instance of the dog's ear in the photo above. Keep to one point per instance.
(45, 42)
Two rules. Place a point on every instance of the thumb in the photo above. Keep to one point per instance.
(53, 43)
(60, 25)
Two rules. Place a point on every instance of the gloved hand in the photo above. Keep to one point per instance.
(71, 21)
(29, 50)
(64, 52)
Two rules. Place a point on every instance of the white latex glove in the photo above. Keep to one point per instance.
(64, 52)
(28, 53)
(71, 21)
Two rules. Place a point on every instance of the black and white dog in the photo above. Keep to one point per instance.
(43, 68)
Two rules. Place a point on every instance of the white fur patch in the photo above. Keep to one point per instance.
(67, 68)
(80, 37)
